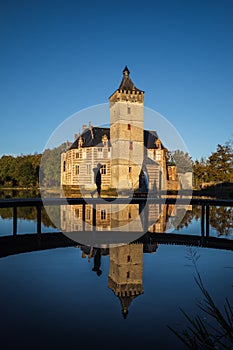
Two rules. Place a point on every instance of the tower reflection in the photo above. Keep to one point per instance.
(125, 273)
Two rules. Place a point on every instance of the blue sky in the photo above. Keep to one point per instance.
(58, 57)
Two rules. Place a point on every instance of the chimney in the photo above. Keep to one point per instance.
(90, 127)
(84, 127)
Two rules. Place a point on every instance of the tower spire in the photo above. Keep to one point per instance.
(126, 71)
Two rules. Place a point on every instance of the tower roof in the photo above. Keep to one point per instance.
(127, 86)
(125, 303)
(126, 82)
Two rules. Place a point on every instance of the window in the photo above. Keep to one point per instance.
(88, 214)
(130, 169)
(76, 169)
(129, 110)
(103, 214)
(104, 169)
(150, 153)
(100, 154)
(129, 216)
(79, 154)
(128, 274)
(128, 258)
(88, 169)
(129, 127)
(109, 152)
(158, 155)
(105, 143)
(77, 213)
(64, 165)
(130, 145)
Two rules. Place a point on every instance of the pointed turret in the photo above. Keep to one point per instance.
(127, 85)
(125, 304)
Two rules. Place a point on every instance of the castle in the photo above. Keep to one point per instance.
(125, 150)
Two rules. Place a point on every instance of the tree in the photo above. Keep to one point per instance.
(50, 168)
(182, 160)
(220, 164)
(200, 172)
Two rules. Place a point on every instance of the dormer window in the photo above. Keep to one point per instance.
(80, 142)
(158, 143)
(105, 141)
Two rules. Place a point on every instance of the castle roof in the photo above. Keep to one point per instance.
(126, 82)
(92, 137)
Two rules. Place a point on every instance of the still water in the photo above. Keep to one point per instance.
(118, 297)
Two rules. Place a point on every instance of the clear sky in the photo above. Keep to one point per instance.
(58, 57)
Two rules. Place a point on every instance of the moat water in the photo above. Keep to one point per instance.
(57, 299)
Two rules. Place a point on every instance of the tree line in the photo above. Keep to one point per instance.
(218, 167)
(23, 171)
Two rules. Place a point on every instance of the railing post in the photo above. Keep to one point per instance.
(14, 220)
(207, 220)
(94, 217)
(38, 208)
(202, 220)
(84, 217)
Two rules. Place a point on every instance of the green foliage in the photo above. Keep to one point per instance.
(220, 164)
(217, 168)
(50, 168)
(21, 171)
(182, 160)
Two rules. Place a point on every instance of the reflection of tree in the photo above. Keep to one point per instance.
(15, 193)
(221, 219)
(183, 218)
(30, 213)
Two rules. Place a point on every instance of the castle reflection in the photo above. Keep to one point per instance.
(126, 260)
(125, 269)
(117, 217)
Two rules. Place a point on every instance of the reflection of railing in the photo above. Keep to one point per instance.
(39, 203)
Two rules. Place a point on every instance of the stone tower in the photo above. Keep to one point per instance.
(125, 273)
(126, 134)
